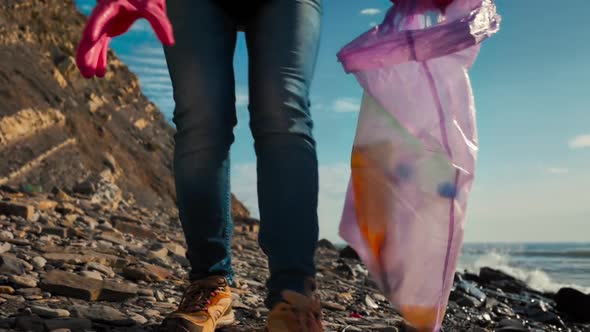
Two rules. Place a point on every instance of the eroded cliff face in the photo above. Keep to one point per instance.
(57, 128)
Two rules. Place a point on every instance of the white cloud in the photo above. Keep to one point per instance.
(371, 11)
(318, 107)
(557, 170)
(553, 169)
(154, 79)
(243, 185)
(346, 105)
(581, 141)
(242, 98)
(333, 184)
(150, 50)
(157, 87)
(318, 103)
(152, 60)
(147, 70)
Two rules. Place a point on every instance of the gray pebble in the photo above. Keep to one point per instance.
(50, 312)
(23, 281)
(38, 262)
(91, 274)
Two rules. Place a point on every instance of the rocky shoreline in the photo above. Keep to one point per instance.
(69, 261)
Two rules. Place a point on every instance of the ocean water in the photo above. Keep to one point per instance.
(543, 266)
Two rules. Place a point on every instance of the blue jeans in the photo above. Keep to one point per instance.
(282, 38)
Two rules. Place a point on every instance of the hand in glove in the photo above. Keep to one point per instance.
(111, 18)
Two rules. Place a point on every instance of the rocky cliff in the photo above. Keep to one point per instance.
(58, 129)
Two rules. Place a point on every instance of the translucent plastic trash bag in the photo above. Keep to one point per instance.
(414, 154)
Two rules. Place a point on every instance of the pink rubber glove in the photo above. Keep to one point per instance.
(111, 18)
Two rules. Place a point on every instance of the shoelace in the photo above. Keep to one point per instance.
(198, 297)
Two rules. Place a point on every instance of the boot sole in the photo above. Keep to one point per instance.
(226, 320)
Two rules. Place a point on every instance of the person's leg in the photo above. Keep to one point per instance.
(201, 69)
(282, 39)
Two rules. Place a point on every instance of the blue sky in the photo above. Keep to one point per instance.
(531, 84)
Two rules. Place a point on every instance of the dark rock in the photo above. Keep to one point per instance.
(66, 208)
(511, 286)
(137, 230)
(85, 187)
(384, 329)
(68, 284)
(7, 323)
(465, 300)
(504, 281)
(46, 204)
(147, 272)
(39, 262)
(547, 318)
(49, 312)
(238, 209)
(344, 269)
(73, 324)
(82, 258)
(539, 311)
(471, 289)
(19, 242)
(107, 271)
(333, 306)
(113, 291)
(101, 314)
(10, 265)
(57, 231)
(495, 279)
(22, 281)
(32, 323)
(9, 189)
(512, 329)
(92, 274)
(504, 310)
(6, 290)
(4, 247)
(509, 325)
(158, 250)
(28, 291)
(488, 275)
(325, 243)
(350, 253)
(182, 260)
(122, 217)
(573, 303)
(15, 209)
(112, 237)
(176, 249)
(478, 329)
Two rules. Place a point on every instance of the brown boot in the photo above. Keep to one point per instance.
(296, 313)
(206, 305)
